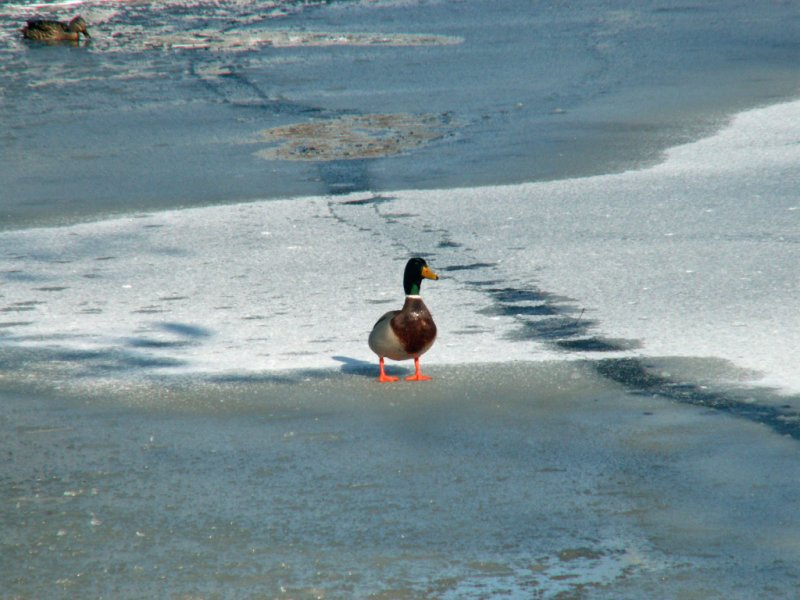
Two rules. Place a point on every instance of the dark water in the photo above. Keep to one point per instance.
(137, 120)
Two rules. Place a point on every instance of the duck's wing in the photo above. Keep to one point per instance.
(46, 26)
(43, 30)
(386, 317)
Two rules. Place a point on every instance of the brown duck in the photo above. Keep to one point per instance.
(55, 31)
(410, 331)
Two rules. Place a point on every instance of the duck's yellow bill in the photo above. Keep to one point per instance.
(428, 274)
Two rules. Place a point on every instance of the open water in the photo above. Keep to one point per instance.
(169, 104)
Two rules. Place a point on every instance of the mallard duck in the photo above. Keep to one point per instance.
(55, 31)
(410, 331)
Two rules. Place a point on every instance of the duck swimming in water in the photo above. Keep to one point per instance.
(55, 31)
(408, 332)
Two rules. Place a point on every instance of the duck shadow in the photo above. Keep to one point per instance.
(356, 366)
(368, 369)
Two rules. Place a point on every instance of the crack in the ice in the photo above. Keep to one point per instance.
(640, 378)
(551, 319)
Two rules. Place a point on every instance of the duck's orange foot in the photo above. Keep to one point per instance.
(383, 377)
(417, 376)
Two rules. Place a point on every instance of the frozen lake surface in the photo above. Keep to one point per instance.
(217, 429)
(204, 211)
(527, 481)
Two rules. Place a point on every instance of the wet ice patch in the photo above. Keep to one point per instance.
(568, 572)
(234, 41)
(493, 481)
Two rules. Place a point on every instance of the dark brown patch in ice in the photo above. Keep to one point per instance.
(353, 137)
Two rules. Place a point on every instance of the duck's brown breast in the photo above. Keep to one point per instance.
(414, 326)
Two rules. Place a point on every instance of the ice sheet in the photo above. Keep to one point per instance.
(509, 481)
(697, 256)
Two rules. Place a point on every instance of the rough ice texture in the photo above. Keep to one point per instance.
(472, 486)
(697, 256)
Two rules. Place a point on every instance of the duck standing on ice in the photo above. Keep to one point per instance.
(41, 30)
(410, 331)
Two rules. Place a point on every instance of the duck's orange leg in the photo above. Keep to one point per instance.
(417, 376)
(383, 377)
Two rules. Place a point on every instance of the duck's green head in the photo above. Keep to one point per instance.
(416, 270)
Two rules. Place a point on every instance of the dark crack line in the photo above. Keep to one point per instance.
(234, 88)
(640, 378)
